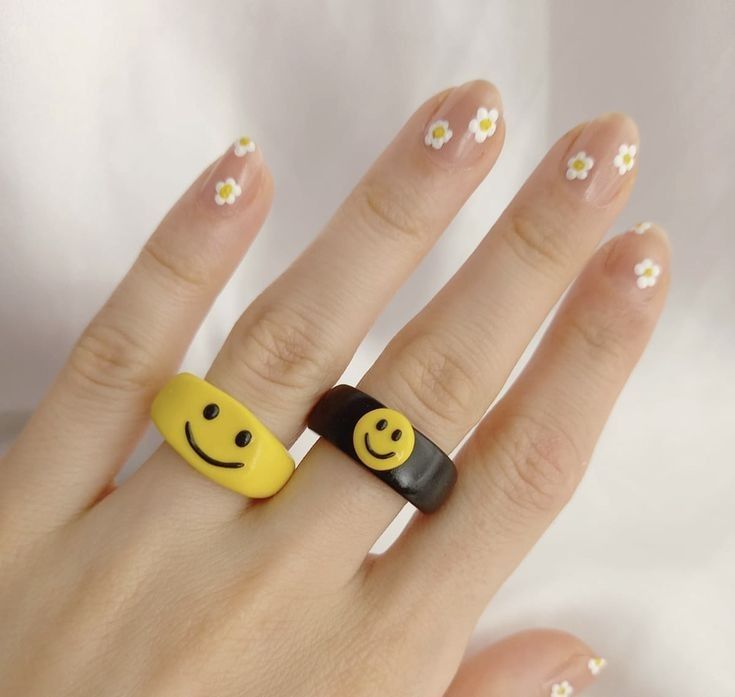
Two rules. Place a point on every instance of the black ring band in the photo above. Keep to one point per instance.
(423, 473)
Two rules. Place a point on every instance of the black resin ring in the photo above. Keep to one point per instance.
(384, 441)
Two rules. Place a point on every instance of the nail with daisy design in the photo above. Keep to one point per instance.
(233, 178)
(243, 146)
(573, 675)
(647, 273)
(465, 125)
(595, 159)
(562, 689)
(596, 665)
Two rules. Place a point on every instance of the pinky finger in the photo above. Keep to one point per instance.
(535, 663)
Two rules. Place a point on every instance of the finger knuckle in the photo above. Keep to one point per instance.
(436, 379)
(185, 276)
(536, 241)
(538, 464)
(601, 342)
(110, 357)
(389, 211)
(281, 346)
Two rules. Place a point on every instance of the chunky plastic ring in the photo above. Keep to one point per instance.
(220, 438)
(384, 441)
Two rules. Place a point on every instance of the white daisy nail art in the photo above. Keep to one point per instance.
(647, 273)
(596, 665)
(244, 145)
(642, 228)
(562, 689)
(438, 134)
(484, 124)
(226, 192)
(625, 159)
(579, 166)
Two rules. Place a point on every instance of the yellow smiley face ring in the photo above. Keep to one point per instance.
(220, 437)
(384, 441)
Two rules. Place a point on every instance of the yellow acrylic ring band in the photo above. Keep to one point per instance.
(220, 438)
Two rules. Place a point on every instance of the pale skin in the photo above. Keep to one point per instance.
(171, 585)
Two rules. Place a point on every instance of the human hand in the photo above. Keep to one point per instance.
(172, 585)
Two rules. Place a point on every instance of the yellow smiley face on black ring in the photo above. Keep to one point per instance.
(383, 439)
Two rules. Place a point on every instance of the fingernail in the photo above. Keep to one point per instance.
(641, 228)
(573, 676)
(601, 158)
(232, 180)
(637, 258)
(465, 125)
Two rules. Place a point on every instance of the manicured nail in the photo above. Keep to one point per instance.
(637, 261)
(601, 157)
(465, 125)
(231, 181)
(576, 674)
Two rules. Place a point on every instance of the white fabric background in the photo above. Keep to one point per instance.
(108, 110)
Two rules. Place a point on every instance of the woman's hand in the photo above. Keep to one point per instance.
(173, 585)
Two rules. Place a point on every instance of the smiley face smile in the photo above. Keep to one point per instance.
(204, 456)
(383, 439)
(380, 456)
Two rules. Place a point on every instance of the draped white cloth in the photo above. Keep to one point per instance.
(109, 109)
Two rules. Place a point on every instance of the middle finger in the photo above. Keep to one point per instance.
(446, 366)
(299, 335)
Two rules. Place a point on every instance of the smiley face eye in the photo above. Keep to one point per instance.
(396, 435)
(243, 438)
(210, 412)
(381, 425)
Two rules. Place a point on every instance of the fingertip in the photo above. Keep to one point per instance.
(639, 260)
(211, 226)
(466, 128)
(485, 90)
(622, 122)
(533, 662)
(234, 182)
(599, 165)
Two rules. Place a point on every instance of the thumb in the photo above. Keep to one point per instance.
(534, 663)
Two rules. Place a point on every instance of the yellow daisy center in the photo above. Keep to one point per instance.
(245, 142)
(648, 272)
(225, 191)
(486, 124)
(578, 165)
(439, 132)
(627, 158)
